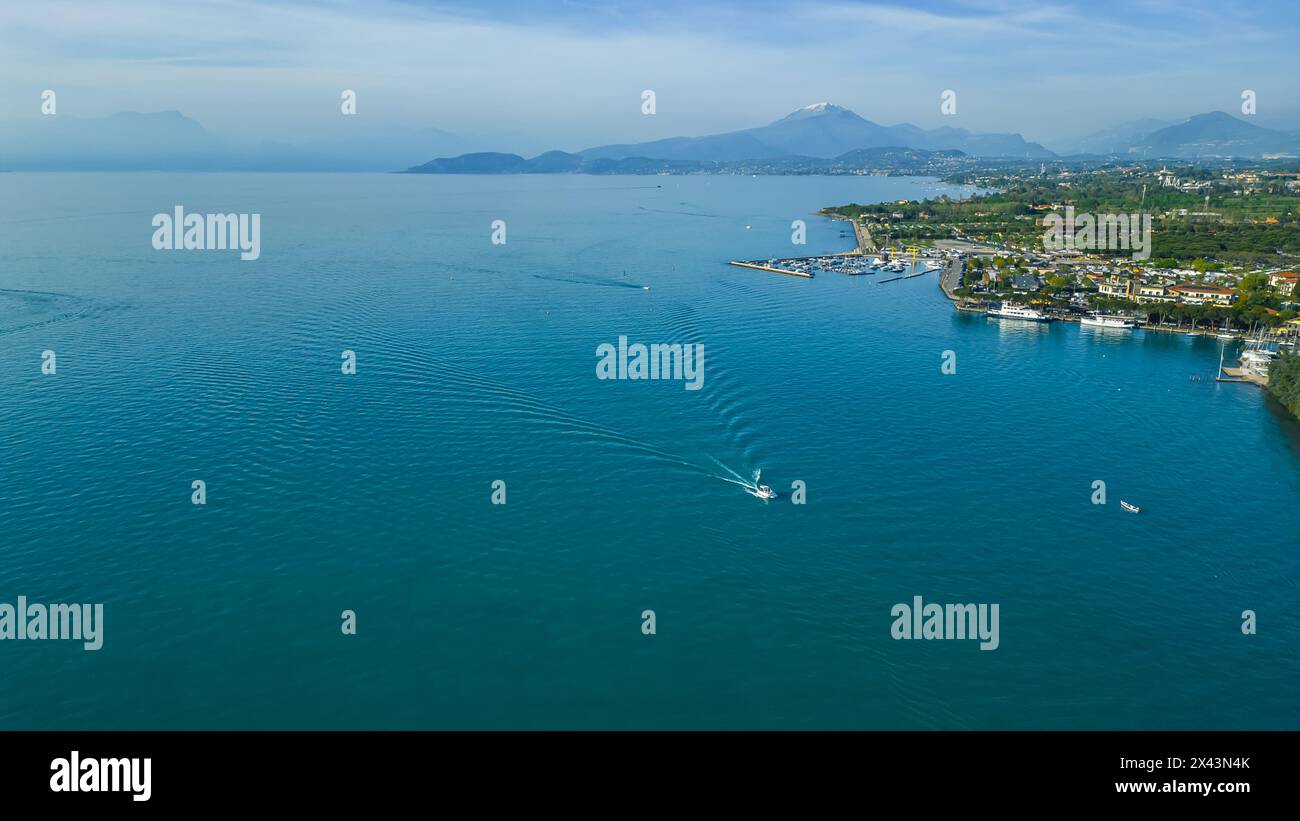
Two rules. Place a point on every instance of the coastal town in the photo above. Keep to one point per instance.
(1221, 260)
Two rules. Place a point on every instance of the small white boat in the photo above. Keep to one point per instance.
(1130, 508)
(765, 492)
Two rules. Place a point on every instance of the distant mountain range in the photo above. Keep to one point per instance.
(820, 138)
(882, 160)
(805, 140)
(1216, 134)
(170, 141)
(1115, 140)
(821, 131)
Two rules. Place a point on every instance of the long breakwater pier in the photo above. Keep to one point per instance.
(758, 266)
(909, 275)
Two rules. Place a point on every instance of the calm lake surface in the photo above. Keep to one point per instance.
(476, 362)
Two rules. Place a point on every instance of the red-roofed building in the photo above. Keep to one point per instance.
(1193, 294)
(1286, 280)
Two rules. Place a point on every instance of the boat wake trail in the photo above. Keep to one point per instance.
(22, 310)
(682, 213)
(469, 387)
(727, 395)
(750, 486)
(602, 282)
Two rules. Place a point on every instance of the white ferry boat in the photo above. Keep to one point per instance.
(1104, 321)
(1008, 311)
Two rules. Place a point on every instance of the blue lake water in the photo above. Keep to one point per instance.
(476, 362)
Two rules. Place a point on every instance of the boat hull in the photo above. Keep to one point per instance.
(993, 315)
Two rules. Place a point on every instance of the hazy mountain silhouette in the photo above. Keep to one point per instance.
(821, 130)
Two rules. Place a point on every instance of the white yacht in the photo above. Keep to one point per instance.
(1105, 321)
(764, 492)
(1008, 311)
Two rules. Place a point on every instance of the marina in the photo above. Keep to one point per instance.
(1253, 366)
(902, 264)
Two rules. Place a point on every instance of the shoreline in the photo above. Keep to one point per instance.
(950, 280)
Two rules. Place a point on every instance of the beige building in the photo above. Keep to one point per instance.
(1116, 286)
(1284, 280)
(1152, 292)
(1193, 294)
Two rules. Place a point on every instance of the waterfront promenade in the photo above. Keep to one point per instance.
(863, 235)
(950, 279)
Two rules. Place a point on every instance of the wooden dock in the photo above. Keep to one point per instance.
(758, 267)
(1240, 375)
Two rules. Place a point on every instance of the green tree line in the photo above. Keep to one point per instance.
(1284, 381)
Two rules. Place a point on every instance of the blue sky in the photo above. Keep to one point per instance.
(570, 74)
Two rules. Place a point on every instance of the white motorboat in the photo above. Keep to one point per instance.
(764, 492)
(1130, 508)
(1105, 321)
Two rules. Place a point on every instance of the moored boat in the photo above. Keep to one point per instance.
(1097, 320)
(1008, 311)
